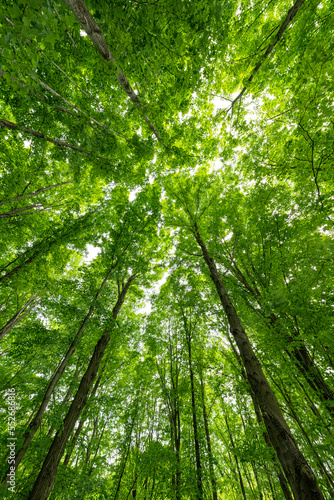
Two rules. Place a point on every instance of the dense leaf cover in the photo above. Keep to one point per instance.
(166, 274)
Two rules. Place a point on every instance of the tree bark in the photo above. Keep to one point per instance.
(299, 353)
(208, 443)
(18, 316)
(45, 480)
(199, 494)
(243, 491)
(124, 460)
(297, 470)
(94, 32)
(282, 480)
(80, 426)
(36, 422)
(175, 419)
(291, 14)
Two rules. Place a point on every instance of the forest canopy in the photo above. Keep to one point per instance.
(166, 264)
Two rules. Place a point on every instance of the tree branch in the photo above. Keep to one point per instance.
(94, 32)
(290, 16)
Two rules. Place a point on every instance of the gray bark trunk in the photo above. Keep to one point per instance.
(297, 470)
(36, 422)
(94, 32)
(45, 480)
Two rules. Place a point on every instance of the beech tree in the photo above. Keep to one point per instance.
(166, 266)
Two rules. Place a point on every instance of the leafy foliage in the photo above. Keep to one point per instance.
(211, 118)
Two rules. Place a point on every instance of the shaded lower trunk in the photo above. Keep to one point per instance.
(36, 422)
(195, 426)
(297, 470)
(208, 443)
(45, 480)
(18, 316)
(282, 479)
(236, 460)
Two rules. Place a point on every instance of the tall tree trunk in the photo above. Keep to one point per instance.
(68, 393)
(124, 461)
(80, 426)
(290, 16)
(199, 494)
(97, 449)
(229, 463)
(297, 351)
(283, 482)
(252, 463)
(236, 460)
(36, 422)
(312, 374)
(94, 32)
(320, 463)
(45, 480)
(208, 442)
(89, 446)
(175, 417)
(298, 472)
(153, 484)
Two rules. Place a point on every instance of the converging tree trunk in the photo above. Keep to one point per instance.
(37, 420)
(297, 470)
(194, 416)
(296, 348)
(94, 32)
(47, 475)
(208, 441)
(282, 480)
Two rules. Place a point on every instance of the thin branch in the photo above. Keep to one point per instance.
(40, 135)
(233, 254)
(189, 253)
(35, 192)
(66, 31)
(290, 16)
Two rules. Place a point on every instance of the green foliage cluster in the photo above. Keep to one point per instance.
(99, 184)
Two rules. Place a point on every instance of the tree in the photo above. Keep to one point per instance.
(166, 205)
